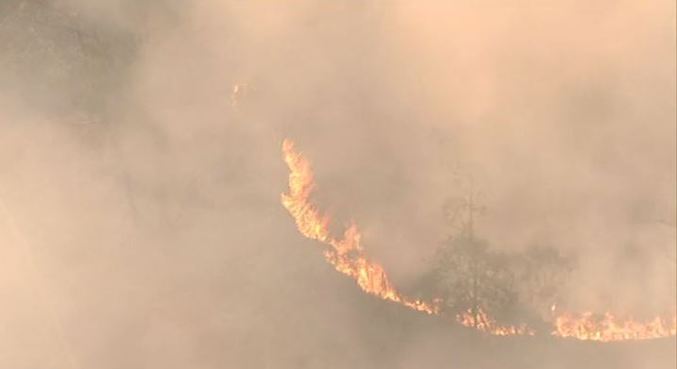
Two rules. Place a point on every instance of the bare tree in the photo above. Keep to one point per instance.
(467, 274)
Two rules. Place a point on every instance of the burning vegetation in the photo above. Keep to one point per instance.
(345, 254)
(348, 256)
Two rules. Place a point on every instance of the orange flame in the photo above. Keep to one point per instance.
(348, 257)
(608, 327)
(345, 254)
(483, 322)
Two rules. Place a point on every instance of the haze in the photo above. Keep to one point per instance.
(141, 172)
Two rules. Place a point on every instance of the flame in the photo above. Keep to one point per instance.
(348, 256)
(345, 254)
(483, 322)
(608, 327)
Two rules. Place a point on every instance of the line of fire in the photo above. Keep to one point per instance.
(349, 257)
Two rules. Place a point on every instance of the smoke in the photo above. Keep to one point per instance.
(139, 205)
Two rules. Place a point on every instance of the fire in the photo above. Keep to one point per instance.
(348, 256)
(608, 327)
(345, 254)
(483, 322)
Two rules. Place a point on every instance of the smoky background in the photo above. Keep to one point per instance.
(139, 195)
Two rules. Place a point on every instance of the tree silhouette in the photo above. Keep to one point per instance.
(468, 276)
